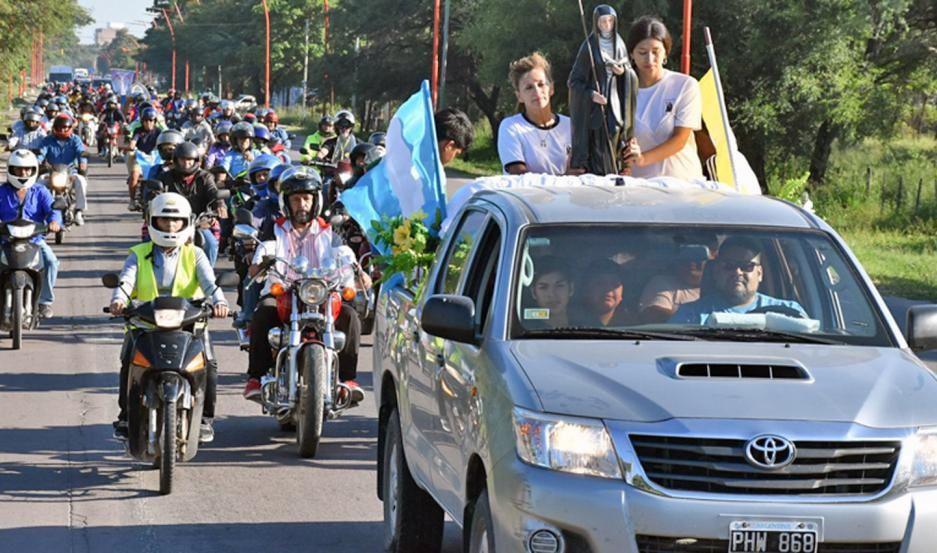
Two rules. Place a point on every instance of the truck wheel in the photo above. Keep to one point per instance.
(481, 530)
(167, 461)
(413, 521)
(311, 401)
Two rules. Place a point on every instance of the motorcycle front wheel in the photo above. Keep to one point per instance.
(16, 319)
(311, 412)
(167, 461)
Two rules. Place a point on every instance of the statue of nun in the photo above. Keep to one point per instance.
(603, 91)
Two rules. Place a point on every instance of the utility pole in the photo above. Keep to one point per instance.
(434, 67)
(172, 35)
(354, 95)
(445, 55)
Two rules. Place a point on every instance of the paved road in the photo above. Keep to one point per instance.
(67, 486)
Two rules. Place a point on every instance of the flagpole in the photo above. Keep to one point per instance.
(730, 138)
(687, 27)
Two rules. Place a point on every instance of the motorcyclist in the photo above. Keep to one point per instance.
(262, 139)
(196, 126)
(188, 179)
(30, 133)
(222, 145)
(379, 139)
(19, 198)
(272, 122)
(168, 265)
(62, 146)
(226, 113)
(301, 232)
(166, 144)
(339, 148)
(52, 110)
(109, 117)
(143, 139)
(237, 161)
(315, 141)
(362, 157)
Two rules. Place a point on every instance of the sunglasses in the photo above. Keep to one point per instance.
(745, 266)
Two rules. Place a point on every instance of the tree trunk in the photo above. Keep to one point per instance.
(820, 158)
(486, 102)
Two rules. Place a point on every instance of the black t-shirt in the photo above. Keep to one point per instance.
(146, 141)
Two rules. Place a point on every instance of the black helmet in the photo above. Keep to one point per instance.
(326, 120)
(301, 180)
(242, 130)
(186, 150)
(360, 152)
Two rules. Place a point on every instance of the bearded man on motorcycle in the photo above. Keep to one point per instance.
(197, 186)
(20, 199)
(301, 233)
(168, 265)
(62, 146)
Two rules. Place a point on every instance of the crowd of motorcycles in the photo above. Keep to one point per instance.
(168, 377)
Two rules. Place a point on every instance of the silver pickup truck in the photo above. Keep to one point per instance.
(649, 370)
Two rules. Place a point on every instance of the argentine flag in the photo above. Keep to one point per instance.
(410, 178)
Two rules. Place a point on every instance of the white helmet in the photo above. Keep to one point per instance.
(345, 114)
(172, 206)
(22, 158)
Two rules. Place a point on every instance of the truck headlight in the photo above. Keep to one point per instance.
(567, 444)
(922, 447)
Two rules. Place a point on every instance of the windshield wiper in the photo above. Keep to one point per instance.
(759, 335)
(595, 332)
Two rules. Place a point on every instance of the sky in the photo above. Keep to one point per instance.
(131, 13)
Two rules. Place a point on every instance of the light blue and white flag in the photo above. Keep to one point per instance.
(410, 178)
(148, 163)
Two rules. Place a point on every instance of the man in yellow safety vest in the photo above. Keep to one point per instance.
(169, 265)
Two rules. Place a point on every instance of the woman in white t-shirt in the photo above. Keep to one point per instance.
(535, 140)
(669, 108)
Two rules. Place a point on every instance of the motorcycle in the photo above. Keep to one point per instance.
(303, 390)
(368, 288)
(59, 181)
(21, 278)
(87, 129)
(167, 379)
(111, 137)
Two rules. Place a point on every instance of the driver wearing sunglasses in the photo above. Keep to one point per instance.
(737, 273)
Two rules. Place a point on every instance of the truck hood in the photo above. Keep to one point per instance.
(638, 381)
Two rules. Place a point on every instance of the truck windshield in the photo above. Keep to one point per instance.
(699, 282)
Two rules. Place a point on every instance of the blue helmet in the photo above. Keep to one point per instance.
(223, 127)
(276, 172)
(263, 162)
(148, 113)
(261, 132)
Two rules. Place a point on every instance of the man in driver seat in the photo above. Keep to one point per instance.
(737, 273)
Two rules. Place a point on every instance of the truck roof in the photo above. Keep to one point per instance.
(590, 203)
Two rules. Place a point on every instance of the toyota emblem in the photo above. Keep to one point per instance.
(770, 452)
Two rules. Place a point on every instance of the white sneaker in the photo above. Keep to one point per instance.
(79, 218)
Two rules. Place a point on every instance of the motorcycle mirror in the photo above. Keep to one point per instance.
(300, 265)
(244, 232)
(303, 150)
(243, 216)
(110, 280)
(228, 279)
(224, 194)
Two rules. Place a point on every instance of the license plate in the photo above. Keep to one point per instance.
(773, 537)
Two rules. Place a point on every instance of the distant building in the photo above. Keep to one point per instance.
(103, 37)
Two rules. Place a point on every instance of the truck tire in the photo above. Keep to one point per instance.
(413, 521)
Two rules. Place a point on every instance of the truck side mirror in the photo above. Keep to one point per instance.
(450, 317)
(922, 327)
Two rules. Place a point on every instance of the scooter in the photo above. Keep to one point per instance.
(60, 182)
(21, 278)
(167, 379)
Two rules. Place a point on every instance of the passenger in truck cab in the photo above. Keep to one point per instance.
(737, 274)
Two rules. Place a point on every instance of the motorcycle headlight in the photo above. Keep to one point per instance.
(567, 444)
(59, 181)
(921, 451)
(21, 231)
(169, 318)
(313, 291)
